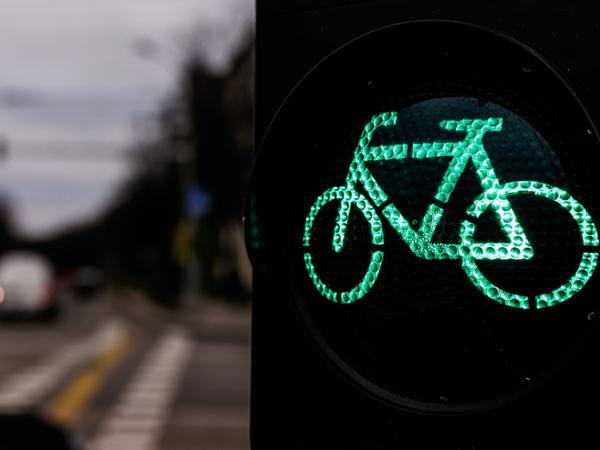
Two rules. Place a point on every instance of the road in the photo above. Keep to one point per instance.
(121, 373)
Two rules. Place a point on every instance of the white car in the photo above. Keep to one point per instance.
(27, 285)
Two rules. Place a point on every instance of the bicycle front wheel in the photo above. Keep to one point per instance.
(495, 196)
(348, 198)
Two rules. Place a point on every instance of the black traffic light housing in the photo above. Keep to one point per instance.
(300, 397)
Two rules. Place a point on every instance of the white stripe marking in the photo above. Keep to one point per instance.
(137, 420)
(25, 388)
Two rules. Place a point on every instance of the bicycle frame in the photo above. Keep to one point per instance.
(460, 152)
(495, 197)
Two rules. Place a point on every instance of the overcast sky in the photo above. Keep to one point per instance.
(80, 73)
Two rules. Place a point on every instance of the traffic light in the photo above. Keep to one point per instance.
(423, 225)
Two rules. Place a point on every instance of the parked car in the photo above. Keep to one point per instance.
(28, 287)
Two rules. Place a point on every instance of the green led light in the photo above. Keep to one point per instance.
(495, 198)
(479, 280)
(355, 293)
(575, 284)
(418, 241)
(359, 173)
(347, 197)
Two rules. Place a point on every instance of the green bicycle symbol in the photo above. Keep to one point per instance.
(495, 197)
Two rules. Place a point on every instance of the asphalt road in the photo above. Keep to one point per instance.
(119, 373)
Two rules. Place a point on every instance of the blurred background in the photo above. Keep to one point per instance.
(126, 139)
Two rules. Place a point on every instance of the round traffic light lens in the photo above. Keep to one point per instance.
(438, 217)
(427, 259)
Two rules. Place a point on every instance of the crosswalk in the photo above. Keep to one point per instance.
(125, 376)
(23, 390)
(63, 383)
(137, 419)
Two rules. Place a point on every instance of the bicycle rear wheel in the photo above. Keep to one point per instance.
(347, 197)
(587, 231)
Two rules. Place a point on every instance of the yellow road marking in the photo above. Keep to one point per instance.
(66, 407)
